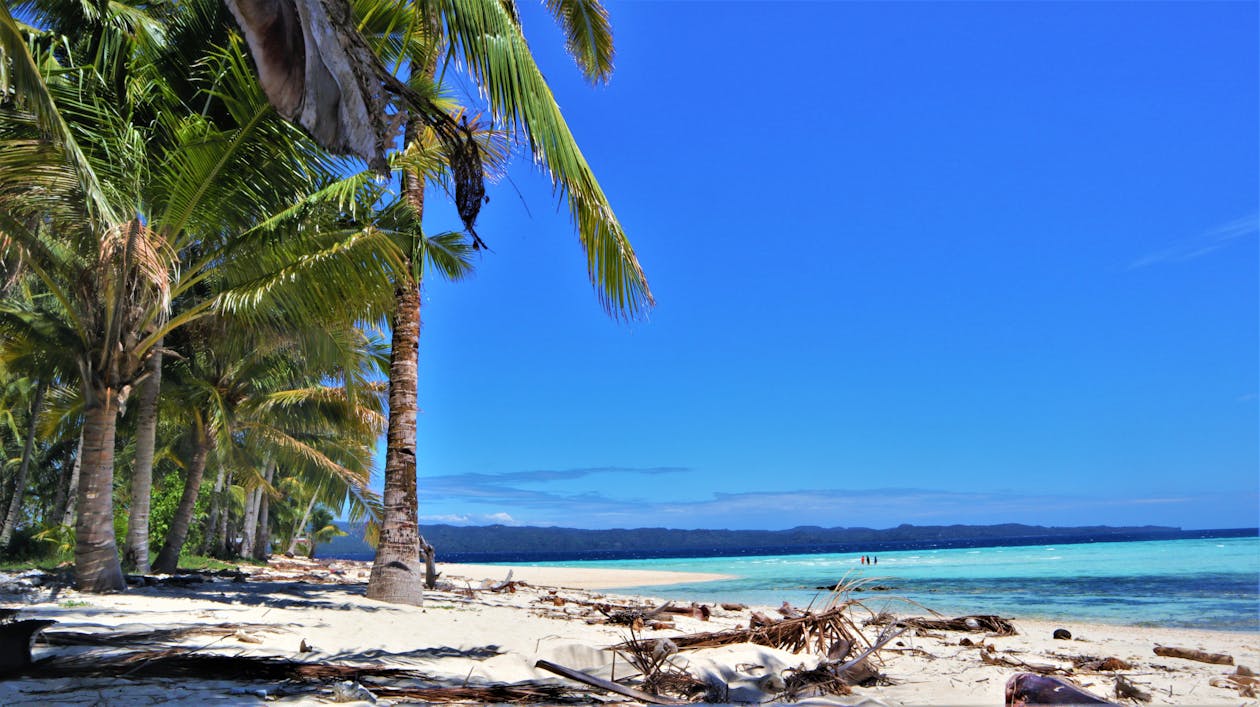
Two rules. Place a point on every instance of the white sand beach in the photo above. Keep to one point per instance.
(468, 636)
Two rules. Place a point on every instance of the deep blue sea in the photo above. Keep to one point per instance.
(1211, 583)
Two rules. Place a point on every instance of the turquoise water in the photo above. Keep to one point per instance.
(1203, 583)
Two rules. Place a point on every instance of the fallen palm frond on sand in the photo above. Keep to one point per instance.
(817, 632)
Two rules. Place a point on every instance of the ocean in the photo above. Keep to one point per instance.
(1208, 583)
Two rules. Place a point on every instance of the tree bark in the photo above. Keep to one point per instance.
(96, 564)
(396, 576)
(220, 547)
(63, 507)
(262, 543)
(168, 558)
(209, 540)
(136, 554)
(249, 527)
(19, 483)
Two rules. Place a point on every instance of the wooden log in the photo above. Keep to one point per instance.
(607, 685)
(733, 607)
(1192, 654)
(1030, 689)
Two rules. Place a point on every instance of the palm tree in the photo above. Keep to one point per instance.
(194, 183)
(487, 36)
(253, 394)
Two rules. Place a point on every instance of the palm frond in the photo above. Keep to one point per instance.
(22, 76)
(495, 51)
(588, 36)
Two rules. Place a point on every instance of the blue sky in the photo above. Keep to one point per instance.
(914, 263)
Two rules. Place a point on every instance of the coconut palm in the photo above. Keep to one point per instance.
(252, 393)
(192, 184)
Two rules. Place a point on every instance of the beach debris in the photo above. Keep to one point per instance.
(661, 676)
(351, 691)
(789, 611)
(495, 694)
(729, 606)
(1100, 665)
(121, 635)
(606, 685)
(1128, 691)
(992, 657)
(629, 616)
(243, 637)
(1242, 679)
(16, 638)
(815, 632)
(1194, 654)
(835, 676)
(305, 647)
(1029, 689)
(1062, 634)
(992, 625)
(507, 585)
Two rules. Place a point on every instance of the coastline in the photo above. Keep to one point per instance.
(466, 634)
(580, 577)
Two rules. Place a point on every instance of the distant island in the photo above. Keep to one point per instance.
(502, 543)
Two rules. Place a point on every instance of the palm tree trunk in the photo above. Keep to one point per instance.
(64, 506)
(220, 547)
(19, 484)
(136, 555)
(262, 543)
(209, 538)
(96, 564)
(168, 558)
(297, 529)
(396, 575)
(249, 527)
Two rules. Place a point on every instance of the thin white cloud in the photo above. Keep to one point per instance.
(499, 518)
(1201, 244)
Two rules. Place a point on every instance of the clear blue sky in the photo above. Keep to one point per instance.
(914, 262)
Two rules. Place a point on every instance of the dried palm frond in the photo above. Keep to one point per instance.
(817, 632)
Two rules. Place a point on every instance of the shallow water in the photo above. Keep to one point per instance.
(1209, 583)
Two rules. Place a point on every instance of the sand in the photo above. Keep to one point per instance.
(465, 635)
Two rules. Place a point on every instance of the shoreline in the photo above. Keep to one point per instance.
(581, 577)
(466, 634)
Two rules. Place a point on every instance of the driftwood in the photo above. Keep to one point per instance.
(117, 637)
(816, 632)
(1028, 689)
(991, 624)
(517, 693)
(1100, 665)
(586, 679)
(178, 662)
(507, 585)
(630, 616)
(1192, 654)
